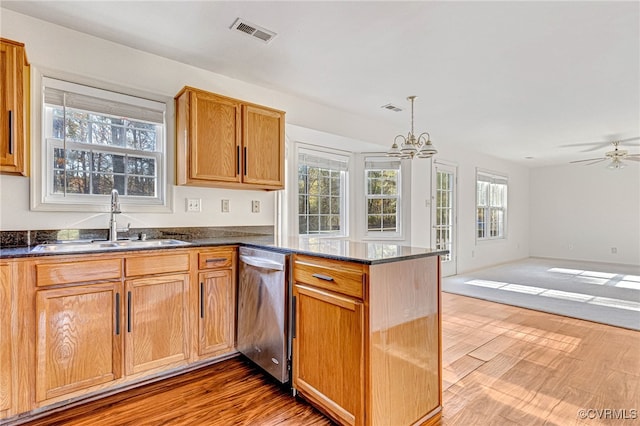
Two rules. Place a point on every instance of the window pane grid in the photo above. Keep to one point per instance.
(127, 159)
(382, 199)
(491, 206)
(444, 213)
(320, 195)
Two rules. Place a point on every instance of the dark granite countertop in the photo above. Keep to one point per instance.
(373, 252)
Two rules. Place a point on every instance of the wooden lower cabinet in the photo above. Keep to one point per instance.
(367, 342)
(78, 338)
(216, 312)
(81, 324)
(6, 340)
(329, 352)
(215, 305)
(157, 322)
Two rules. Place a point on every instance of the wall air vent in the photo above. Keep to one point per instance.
(391, 107)
(253, 30)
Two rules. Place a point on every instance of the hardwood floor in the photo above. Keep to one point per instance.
(503, 365)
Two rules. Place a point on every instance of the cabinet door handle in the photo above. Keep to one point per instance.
(202, 300)
(216, 260)
(245, 160)
(10, 132)
(322, 277)
(118, 314)
(294, 319)
(238, 159)
(128, 312)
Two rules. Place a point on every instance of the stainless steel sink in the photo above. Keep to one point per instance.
(77, 246)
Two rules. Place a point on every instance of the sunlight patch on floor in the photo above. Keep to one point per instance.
(558, 294)
(628, 284)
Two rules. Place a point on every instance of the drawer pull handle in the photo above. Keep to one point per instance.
(323, 277)
(216, 260)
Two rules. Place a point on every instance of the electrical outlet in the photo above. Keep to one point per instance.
(255, 206)
(225, 206)
(614, 250)
(194, 204)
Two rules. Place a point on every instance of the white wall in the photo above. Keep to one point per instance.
(51, 47)
(474, 254)
(582, 212)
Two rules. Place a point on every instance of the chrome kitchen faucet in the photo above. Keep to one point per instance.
(115, 209)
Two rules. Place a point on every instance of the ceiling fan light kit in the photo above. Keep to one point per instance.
(616, 164)
(616, 156)
(411, 146)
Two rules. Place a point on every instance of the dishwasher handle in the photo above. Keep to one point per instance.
(262, 263)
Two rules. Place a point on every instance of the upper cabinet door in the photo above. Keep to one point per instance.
(227, 143)
(215, 138)
(263, 151)
(14, 101)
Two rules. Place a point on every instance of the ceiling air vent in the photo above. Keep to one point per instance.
(391, 107)
(253, 30)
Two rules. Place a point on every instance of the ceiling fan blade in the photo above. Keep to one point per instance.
(594, 146)
(624, 141)
(597, 161)
(632, 158)
(600, 144)
(590, 159)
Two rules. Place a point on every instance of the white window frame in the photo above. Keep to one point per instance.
(335, 155)
(493, 178)
(399, 207)
(42, 197)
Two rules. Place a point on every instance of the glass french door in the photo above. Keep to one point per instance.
(444, 216)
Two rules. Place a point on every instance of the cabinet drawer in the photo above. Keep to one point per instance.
(216, 258)
(156, 264)
(341, 277)
(78, 271)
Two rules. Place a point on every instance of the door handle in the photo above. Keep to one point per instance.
(128, 312)
(237, 159)
(201, 300)
(117, 314)
(244, 157)
(10, 132)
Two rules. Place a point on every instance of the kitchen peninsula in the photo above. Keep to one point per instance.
(366, 340)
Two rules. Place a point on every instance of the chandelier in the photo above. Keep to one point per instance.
(411, 146)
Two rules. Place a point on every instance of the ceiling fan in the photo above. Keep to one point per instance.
(616, 155)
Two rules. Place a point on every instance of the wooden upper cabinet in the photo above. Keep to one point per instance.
(14, 108)
(225, 142)
(263, 153)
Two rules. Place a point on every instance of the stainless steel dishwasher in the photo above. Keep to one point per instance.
(263, 310)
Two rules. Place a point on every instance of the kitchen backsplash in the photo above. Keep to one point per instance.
(34, 237)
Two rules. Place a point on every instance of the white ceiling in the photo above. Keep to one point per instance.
(512, 79)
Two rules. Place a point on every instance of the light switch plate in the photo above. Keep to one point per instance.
(224, 206)
(255, 206)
